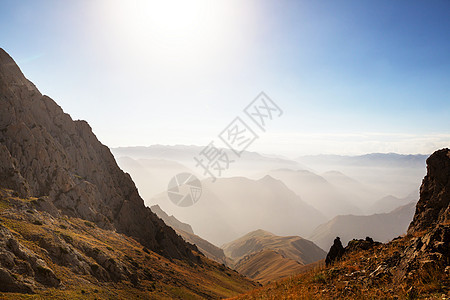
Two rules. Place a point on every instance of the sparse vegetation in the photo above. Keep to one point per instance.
(150, 275)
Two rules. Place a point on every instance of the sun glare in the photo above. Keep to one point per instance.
(172, 29)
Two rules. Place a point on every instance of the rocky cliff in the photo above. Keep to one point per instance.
(433, 207)
(45, 154)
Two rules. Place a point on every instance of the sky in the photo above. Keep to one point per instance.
(351, 77)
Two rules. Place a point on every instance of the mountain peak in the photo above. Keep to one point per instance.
(11, 75)
(433, 206)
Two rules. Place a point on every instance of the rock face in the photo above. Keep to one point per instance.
(45, 154)
(336, 252)
(433, 207)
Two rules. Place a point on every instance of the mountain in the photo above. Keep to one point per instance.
(231, 207)
(415, 266)
(66, 204)
(292, 247)
(317, 192)
(381, 227)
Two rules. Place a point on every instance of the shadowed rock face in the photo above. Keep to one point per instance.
(433, 206)
(44, 153)
(336, 251)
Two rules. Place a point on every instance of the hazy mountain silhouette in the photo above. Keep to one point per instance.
(381, 227)
(317, 192)
(386, 174)
(231, 207)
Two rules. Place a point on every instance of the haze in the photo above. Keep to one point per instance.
(352, 77)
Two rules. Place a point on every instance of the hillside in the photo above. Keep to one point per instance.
(267, 265)
(416, 266)
(66, 258)
(381, 227)
(291, 247)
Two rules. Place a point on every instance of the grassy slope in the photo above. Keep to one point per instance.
(267, 266)
(159, 277)
(293, 247)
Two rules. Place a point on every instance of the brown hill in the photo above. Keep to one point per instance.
(291, 247)
(267, 265)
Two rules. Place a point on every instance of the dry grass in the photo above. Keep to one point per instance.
(160, 278)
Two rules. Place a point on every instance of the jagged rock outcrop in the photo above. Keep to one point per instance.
(44, 153)
(433, 207)
(336, 251)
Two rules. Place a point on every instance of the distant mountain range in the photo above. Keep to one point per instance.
(389, 160)
(249, 164)
(386, 174)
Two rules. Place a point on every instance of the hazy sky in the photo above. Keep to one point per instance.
(351, 76)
